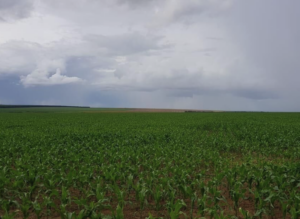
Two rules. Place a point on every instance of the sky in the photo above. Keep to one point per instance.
(192, 54)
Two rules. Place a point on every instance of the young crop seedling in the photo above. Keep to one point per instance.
(173, 165)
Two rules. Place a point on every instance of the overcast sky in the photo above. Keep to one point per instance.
(188, 54)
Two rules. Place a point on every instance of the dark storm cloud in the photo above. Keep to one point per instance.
(12, 92)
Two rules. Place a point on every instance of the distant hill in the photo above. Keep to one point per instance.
(39, 106)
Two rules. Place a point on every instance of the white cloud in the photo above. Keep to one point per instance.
(42, 76)
(105, 70)
(35, 61)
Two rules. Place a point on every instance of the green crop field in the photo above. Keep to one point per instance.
(149, 165)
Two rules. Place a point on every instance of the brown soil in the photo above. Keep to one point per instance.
(132, 208)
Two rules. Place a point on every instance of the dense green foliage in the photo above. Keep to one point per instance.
(137, 165)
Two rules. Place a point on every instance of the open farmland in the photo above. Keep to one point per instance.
(149, 165)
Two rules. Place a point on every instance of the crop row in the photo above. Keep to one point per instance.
(212, 165)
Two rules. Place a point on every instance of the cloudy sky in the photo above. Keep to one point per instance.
(191, 54)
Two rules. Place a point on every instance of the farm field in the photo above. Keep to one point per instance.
(134, 165)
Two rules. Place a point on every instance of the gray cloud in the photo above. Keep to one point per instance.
(35, 64)
(15, 9)
(189, 11)
(135, 3)
(126, 44)
(46, 77)
(185, 83)
(46, 65)
(12, 92)
(269, 40)
(233, 55)
(19, 57)
(255, 93)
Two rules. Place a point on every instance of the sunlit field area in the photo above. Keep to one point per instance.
(63, 163)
